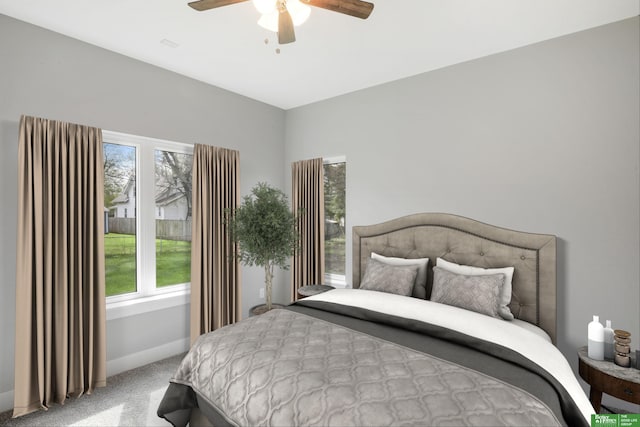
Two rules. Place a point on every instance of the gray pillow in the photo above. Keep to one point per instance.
(505, 293)
(476, 293)
(393, 279)
(419, 287)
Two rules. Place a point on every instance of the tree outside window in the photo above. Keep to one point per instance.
(335, 216)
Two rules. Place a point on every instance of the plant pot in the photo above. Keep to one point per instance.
(262, 308)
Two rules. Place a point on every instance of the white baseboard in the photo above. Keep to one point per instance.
(6, 401)
(144, 357)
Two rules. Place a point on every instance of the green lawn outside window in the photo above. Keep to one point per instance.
(173, 263)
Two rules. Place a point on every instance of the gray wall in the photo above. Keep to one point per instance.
(48, 75)
(543, 138)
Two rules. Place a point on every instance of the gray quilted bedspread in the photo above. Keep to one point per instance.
(288, 369)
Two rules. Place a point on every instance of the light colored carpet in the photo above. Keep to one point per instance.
(129, 399)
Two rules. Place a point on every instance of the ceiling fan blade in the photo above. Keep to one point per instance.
(286, 34)
(358, 8)
(201, 5)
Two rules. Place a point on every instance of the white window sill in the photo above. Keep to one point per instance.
(141, 305)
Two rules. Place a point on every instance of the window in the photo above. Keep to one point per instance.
(148, 238)
(334, 220)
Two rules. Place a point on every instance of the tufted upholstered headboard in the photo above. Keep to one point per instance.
(466, 241)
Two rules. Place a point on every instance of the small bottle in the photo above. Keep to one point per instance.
(596, 339)
(608, 342)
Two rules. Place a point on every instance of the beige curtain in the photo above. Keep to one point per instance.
(60, 285)
(215, 273)
(308, 194)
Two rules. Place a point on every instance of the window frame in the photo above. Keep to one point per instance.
(337, 280)
(146, 289)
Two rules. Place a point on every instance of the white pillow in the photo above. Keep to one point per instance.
(420, 286)
(505, 294)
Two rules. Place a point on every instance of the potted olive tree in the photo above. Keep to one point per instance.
(266, 232)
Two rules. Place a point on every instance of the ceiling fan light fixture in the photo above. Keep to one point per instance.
(269, 21)
(265, 7)
(299, 14)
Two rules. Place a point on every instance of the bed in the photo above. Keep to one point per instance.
(413, 342)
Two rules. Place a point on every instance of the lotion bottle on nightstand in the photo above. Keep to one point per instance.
(608, 341)
(596, 339)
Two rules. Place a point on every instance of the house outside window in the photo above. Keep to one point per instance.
(149, 252)
(335, 173)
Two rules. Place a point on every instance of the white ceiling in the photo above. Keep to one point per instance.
(334, 53)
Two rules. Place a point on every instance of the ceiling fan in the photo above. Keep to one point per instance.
(278, 17)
